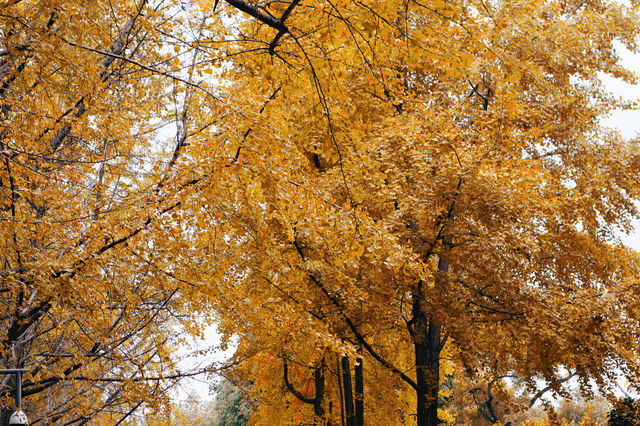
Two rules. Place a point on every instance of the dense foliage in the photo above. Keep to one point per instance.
(386, 203)
(625, 412)
(81, 172)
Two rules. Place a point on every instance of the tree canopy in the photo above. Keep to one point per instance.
(380, 200)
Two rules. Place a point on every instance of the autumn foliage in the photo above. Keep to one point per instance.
(388, 204)
(82, 308)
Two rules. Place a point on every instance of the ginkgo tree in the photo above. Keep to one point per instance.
(85, 86)
(401, 178)
(353, 185)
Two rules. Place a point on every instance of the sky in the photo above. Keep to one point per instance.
(627, 122)
(200, 386)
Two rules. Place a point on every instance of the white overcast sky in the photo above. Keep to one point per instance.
(627, 121)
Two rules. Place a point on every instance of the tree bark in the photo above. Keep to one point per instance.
(428, 343)
(339, 370)
(318, 376)
(348, 391)
(427, 355)
(5, 413)
(359, 392)
(316, 401)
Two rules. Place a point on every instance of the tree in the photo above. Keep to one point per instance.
(82, 177)
(383, 180)
(407, 176)
(195, 412)
(229, 408)
(231, 404)
(624, 412)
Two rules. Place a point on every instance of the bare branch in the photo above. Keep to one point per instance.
(548, 388)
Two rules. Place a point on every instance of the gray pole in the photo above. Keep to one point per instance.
(19, 390)
(18, 372)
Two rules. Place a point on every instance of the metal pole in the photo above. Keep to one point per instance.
(18, 372)
(19, 390)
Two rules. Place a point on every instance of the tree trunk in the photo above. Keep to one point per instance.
(428, 344)
(348, 391)
(339, 370)
(359, 392)
(427, 352)
(5, 413)
(316, 401)
(318, 376)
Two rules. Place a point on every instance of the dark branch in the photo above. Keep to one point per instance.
(285, 15)
(293, 390)
(548, 388)
(251, 10)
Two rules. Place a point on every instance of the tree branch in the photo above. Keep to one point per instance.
(359, 337)
(548, 388)
(251, 10)
(143, 66)
(293, 390)
(282, 32)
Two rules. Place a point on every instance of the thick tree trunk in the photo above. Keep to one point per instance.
(318, 376)
(348, 391)
(427, 353)
(359, 392)
(428, 343)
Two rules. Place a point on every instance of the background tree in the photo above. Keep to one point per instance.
(232, 405)
(625, 411)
